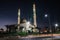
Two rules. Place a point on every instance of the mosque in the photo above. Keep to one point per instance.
(24, 25)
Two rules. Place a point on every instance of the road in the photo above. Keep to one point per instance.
(34, 37)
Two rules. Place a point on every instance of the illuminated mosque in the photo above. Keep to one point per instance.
(26, 25)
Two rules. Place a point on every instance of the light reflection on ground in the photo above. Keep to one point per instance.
(34, 37)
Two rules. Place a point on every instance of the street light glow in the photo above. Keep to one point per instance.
(56, 25)
(46, 15)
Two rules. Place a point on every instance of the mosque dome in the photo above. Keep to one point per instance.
(23, 21)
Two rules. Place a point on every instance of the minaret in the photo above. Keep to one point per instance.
(34, 15)
(18, 18)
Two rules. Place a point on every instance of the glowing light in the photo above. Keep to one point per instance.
(27, 25)
(56, 25)
(46, 15)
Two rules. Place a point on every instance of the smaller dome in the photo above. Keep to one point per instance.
(23, 20)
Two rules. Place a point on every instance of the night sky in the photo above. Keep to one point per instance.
(9, 10)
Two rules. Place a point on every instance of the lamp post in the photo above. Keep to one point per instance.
(46, 15)
(56, 25)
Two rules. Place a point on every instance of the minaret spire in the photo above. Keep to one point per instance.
(18, 18)
(34, 15)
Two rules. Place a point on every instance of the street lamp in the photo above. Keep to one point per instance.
(56, 25)
(46, 15)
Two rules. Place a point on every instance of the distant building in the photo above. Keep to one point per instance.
(1, 30)
(11, 28)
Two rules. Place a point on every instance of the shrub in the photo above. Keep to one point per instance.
(22, 33)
